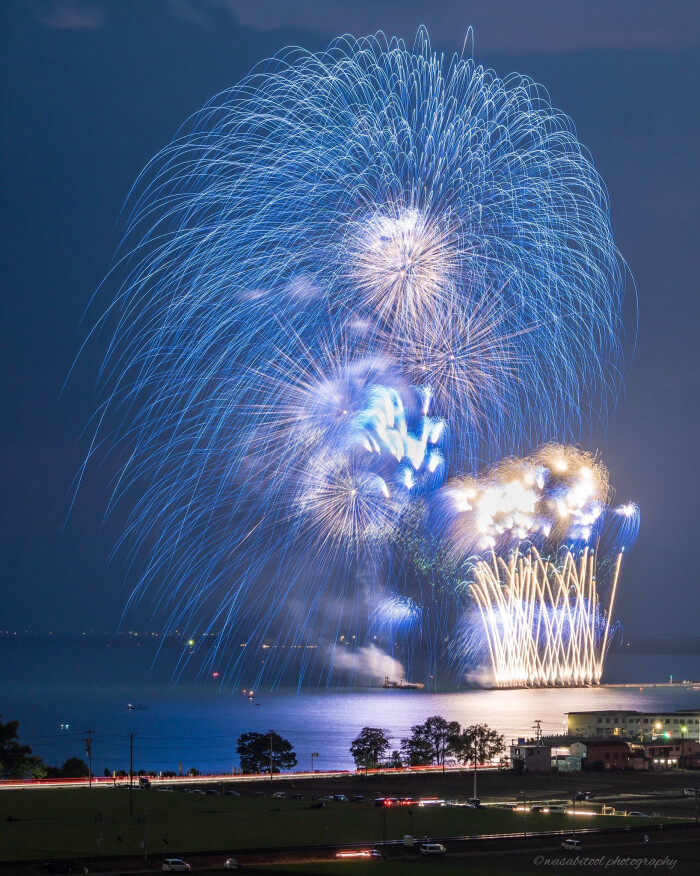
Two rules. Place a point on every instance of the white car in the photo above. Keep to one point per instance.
(175, 865)
(433, 849)
(230, 864)
(279, 794)
(690, 792)
(571, 845)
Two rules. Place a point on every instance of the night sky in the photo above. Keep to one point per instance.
(92, 90)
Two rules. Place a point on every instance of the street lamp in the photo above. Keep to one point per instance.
(684, 730)
(313, 755)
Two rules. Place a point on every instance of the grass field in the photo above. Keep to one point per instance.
(80, 822)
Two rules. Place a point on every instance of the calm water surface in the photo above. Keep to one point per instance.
(87, 687)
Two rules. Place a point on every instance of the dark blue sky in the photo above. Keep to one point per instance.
(91, 90)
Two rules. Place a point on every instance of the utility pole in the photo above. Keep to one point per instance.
(88, 752)
(131, 774)
(271, 732)
(313, 755)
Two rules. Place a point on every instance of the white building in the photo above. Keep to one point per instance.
(636, 726)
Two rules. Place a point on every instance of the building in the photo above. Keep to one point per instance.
(536, 756)
(564, 761)
(544, 754)
(635, 725)
(672, 753)
(602, 754)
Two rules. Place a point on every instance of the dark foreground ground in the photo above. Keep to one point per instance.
(95, 828)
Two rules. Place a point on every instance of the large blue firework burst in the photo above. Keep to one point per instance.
(345, 276)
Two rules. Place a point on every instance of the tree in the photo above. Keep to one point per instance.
(478, 744)
(417, 751)
(431, 741)
(17, 761)
(260, 751)
(12, 754)
(369, 747)
(75, 768)
(34, 768)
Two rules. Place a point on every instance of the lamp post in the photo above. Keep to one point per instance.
(313, 755)
(271, 735)
(684, 730)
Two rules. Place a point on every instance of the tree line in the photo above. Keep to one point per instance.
(430, 743)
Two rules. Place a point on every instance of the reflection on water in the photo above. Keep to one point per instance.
(47, 687)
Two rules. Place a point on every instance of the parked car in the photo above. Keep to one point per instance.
(296, 797)
(175, 865)
(232, 793)
(357, 798)
(230, 864)
(636, 814)
(278, 794)
(433, 849)
(341, 798)
(689, 792)
(584, 795)
(475, 802)
(571, 845)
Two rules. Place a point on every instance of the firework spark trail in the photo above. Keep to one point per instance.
(543, 621)
(346, 274)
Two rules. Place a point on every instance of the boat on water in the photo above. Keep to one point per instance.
(401, 685)
(136, 707)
